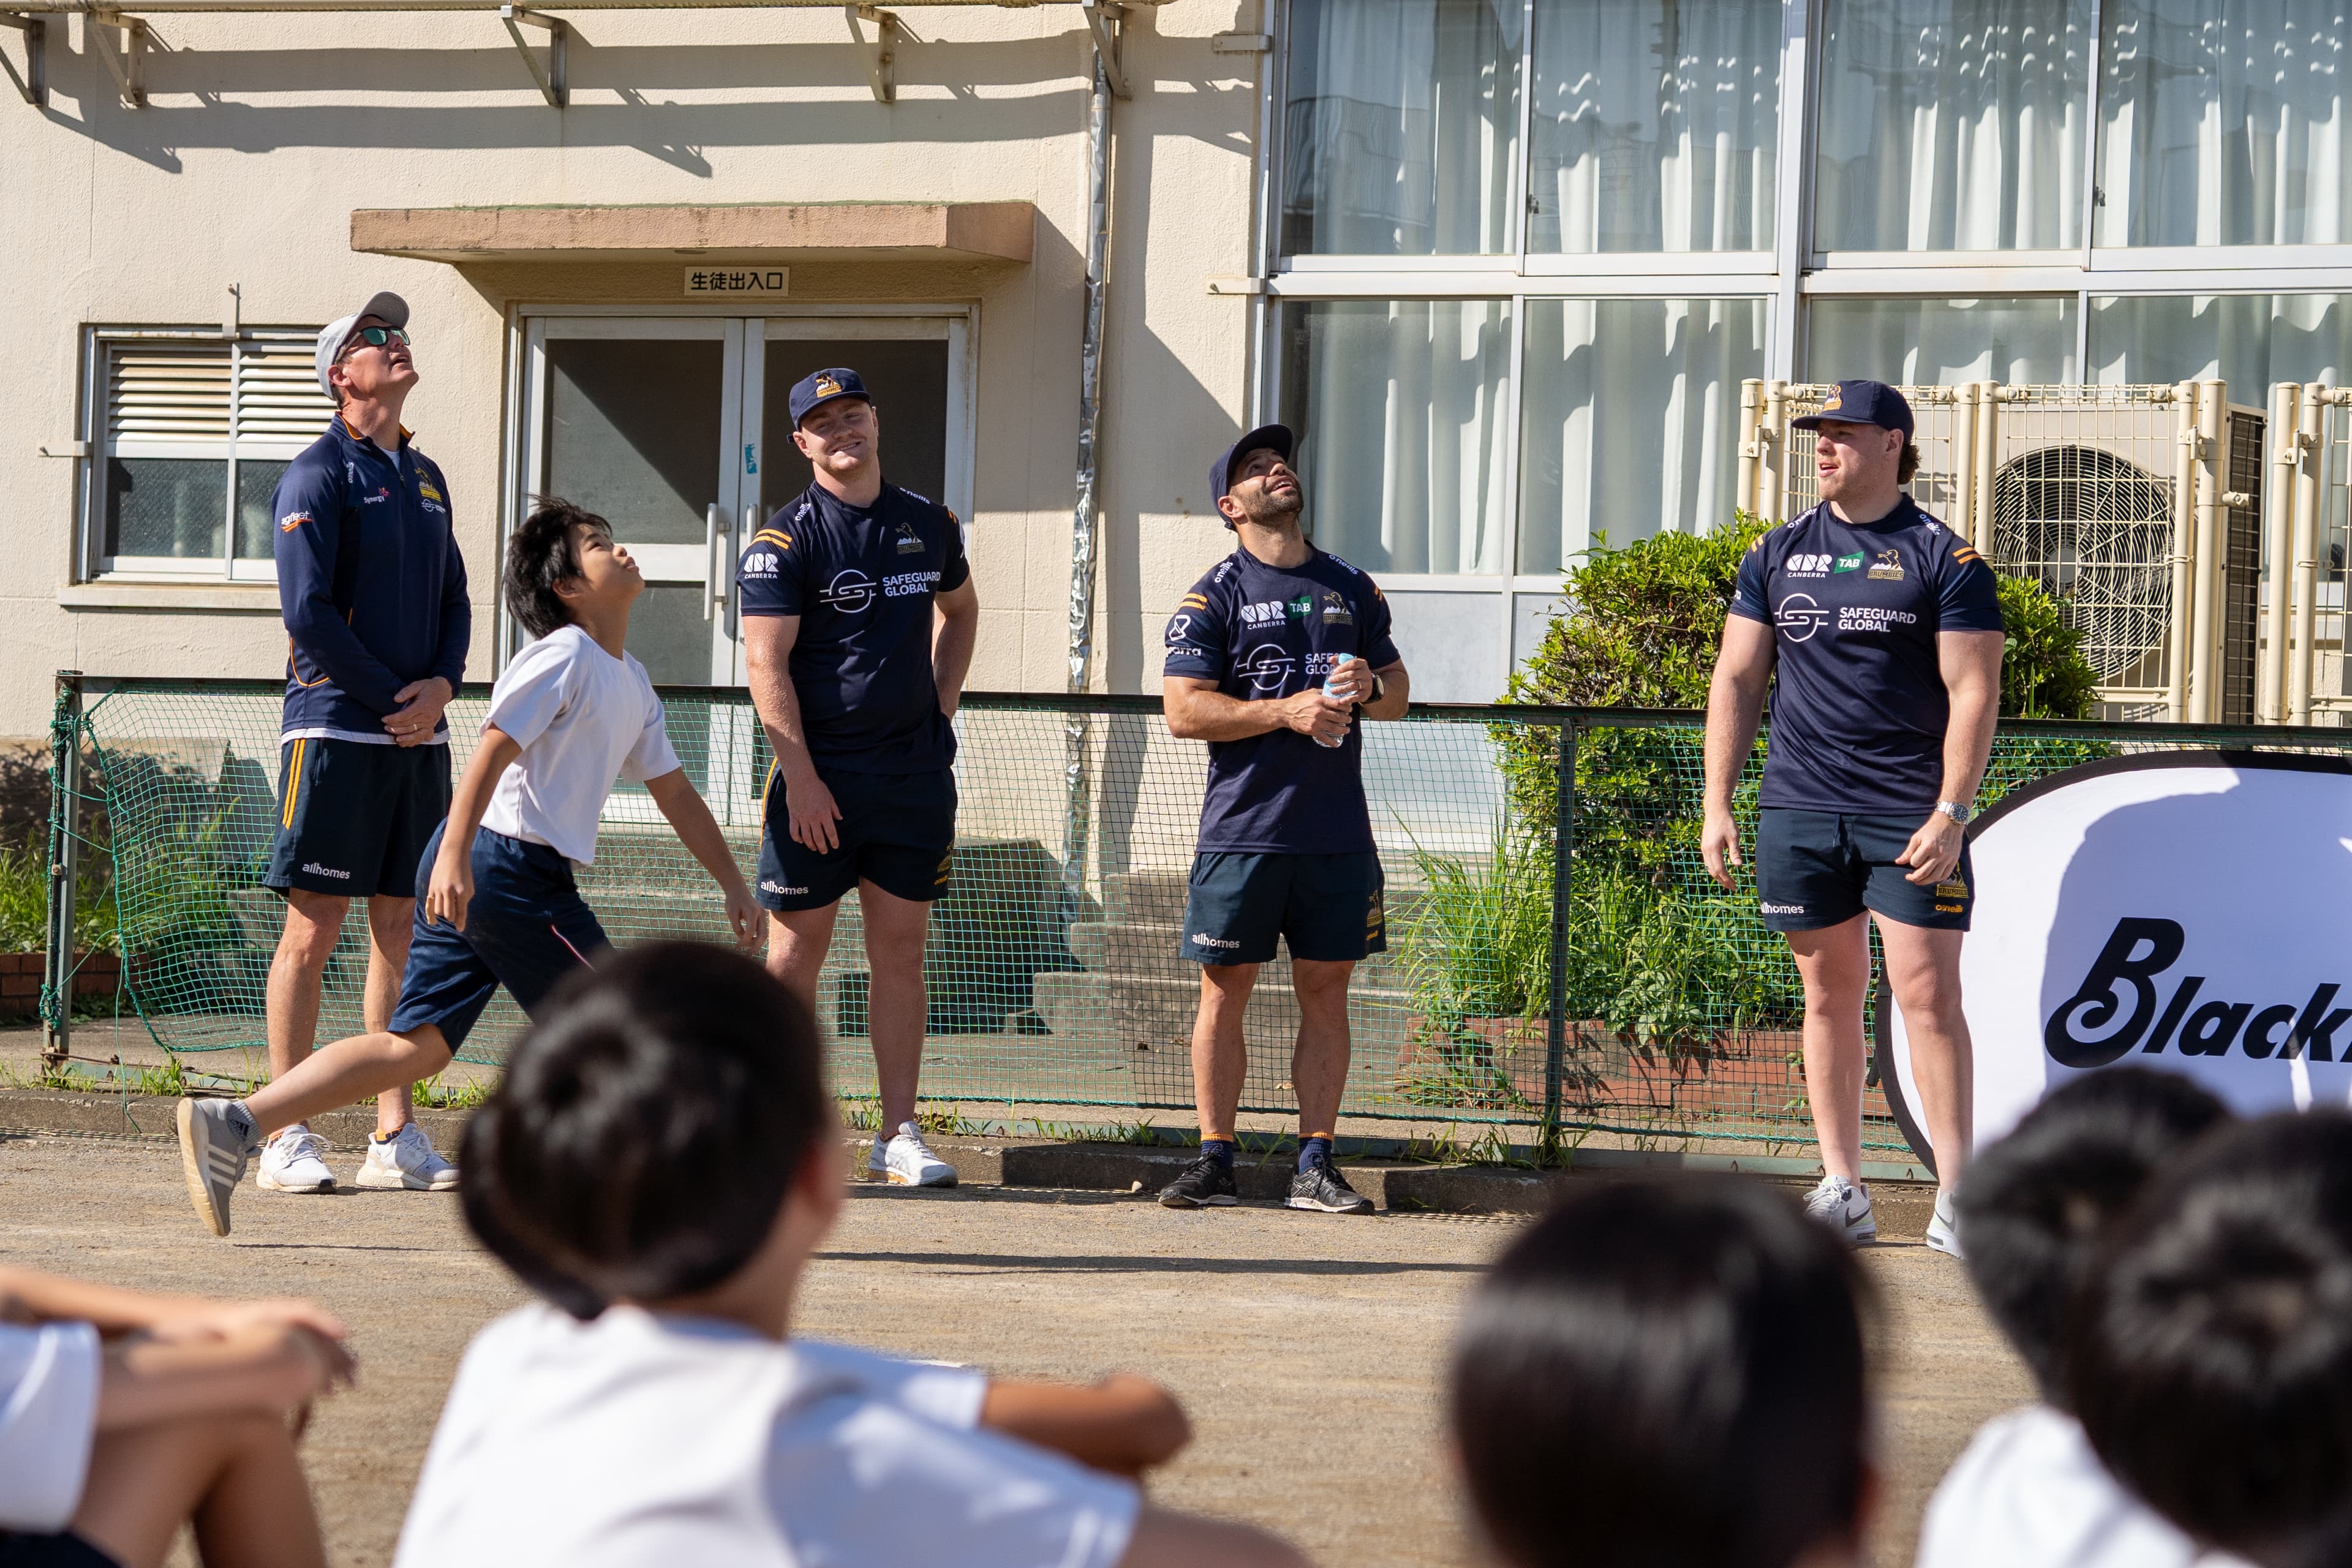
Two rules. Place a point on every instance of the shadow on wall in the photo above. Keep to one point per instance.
(621, 95)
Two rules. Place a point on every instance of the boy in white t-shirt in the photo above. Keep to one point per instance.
(496, 902)
(125, 1415)
(2029, 1492)
(660, 1161)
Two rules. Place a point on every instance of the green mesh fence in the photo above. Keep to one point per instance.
(1659, 1006)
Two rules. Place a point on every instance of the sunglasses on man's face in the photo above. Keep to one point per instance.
(377, 337)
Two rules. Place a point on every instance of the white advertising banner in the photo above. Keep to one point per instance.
(2189, 910)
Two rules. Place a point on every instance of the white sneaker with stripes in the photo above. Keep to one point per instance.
(216, 1140)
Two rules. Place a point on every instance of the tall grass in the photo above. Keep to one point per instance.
(25, 904)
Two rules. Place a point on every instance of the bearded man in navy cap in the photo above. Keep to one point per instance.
(1877, 631)
(858, 623)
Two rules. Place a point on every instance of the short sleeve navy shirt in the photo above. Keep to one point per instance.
(861, 578)
(1263, 632)
(1859, 708)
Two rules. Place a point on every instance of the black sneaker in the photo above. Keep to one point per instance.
(1324, 1188)
(1206, 1182)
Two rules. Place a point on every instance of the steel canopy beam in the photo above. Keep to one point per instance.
(32, 87)
(554, 79)
(882, 54)
(1103, 20)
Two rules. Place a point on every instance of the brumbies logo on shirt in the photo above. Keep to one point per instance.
(424, 487)
(826, 387)
(1335, 611)
(1889, 565)
(909, 541)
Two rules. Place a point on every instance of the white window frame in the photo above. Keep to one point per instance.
(1790, 274)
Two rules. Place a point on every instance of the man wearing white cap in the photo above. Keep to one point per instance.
(377, 622)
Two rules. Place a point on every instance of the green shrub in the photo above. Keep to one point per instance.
(1669, 971)
(2043, 674)
(1477, 946)
(25, 903)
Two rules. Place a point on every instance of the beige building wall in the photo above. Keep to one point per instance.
(263, 134)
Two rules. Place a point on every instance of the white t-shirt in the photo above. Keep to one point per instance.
(2030, 1493)
(581, 717)
(49, 1418)
(642, 1439)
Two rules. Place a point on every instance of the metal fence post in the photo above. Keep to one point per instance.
(1563, 864)
(65, 864)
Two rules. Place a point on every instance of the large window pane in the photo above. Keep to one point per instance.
(1400, 126)
(166, 506)
(1655, 125)
(2223, 122)
(1629, 419)
(1952, 124)
(2247, 340)
(1935, 343)
(1397, 404)
(256, 482)
(633, 432)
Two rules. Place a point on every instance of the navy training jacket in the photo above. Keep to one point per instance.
(359, 627)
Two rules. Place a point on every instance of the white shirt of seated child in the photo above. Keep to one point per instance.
(639, 1438)
(2030, 1493)
(48, 1418)
(583, 718)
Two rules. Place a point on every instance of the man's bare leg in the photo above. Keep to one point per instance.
(1318, 1061)
(1923, 965)
(1219, 1057)
(1834, 964)
(297, 970)
(345, 1071)
(237, 1475)
(798, 940)
(897, 1004)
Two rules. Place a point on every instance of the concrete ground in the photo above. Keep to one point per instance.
(1272, 1326)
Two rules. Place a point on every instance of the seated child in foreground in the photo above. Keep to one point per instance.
(659, 1163)
(2210, 1355)
(1667, 1370)
(2028, 1491)
(497, 902)
(125, 1415)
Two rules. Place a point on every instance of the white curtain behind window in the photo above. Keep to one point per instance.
(1655, 125)
(2223, 122)
(1631, 415)
(1400, 126)
(1400, 439)
(1941, 342)
(2247, 340)
(1952, 124)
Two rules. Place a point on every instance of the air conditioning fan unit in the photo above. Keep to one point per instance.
(2133, 505)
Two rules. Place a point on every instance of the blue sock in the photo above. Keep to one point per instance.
(1221, 1150)
(1313, 1152)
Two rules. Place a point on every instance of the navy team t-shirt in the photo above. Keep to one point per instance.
(861, 578)
(1263, 632)
(1859, 708)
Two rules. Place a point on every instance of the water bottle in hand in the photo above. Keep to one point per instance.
(1338, 660)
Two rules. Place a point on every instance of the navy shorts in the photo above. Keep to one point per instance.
(897, 831)
(1818, 868)
(63, 1550)
(353, 817)
(1328, 908)
(526, 928)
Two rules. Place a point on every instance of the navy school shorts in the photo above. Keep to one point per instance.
(526, 929)
(1821, 868)
(1329, 908)
(353, 817)
(63, 1550)
(897, 831)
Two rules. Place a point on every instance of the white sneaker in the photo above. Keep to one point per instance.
(294, 1161)
(405, 1160)
(1845, 1207)
(906, 1160)
(1944, 1227)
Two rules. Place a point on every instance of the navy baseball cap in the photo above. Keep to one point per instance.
(1275, 438)
(824, 387)
(1861, 402)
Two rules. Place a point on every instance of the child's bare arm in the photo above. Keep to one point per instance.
(27, 1296)
(691, 817)
(1166, 1539)
(451, 887)
(1124, 1424)
(273, 1367)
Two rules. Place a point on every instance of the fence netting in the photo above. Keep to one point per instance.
(1659, 1006)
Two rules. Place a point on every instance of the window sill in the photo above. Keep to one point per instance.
(116, 596)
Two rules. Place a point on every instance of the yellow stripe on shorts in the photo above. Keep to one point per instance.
(293, 784)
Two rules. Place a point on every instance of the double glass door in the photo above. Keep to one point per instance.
(677, 430)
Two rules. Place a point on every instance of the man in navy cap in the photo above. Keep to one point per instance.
(377, 625)
(1271, 658)
(1878, 632)
(858, 621)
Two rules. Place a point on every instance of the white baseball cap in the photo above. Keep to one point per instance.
(385, 305)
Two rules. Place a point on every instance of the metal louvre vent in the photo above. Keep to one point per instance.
(168, 392)
(2095, 530)
(277, 397)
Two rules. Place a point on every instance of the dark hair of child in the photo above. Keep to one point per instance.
(2211, 1358)
(2035, 1204)
(540, 555)
(1664, 1372)
(646, 1129)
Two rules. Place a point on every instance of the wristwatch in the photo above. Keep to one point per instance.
(1958, 812)
(1380, 688)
